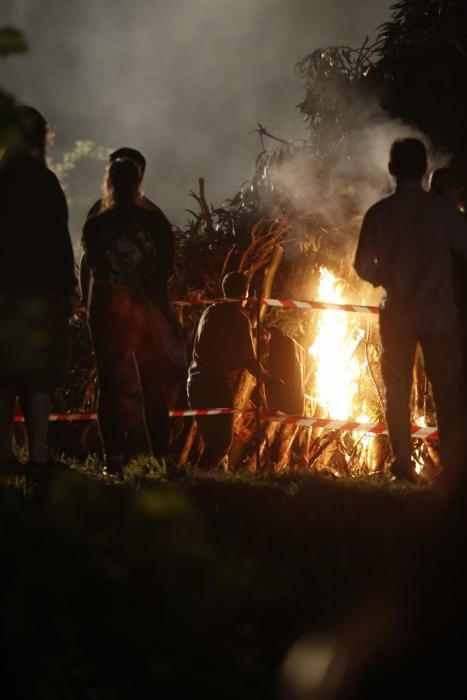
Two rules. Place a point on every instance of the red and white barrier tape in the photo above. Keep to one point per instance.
(209, 411)
(71, 417)
(423, 433)
(64, 417)
(288, 304)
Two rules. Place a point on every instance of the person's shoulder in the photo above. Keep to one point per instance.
(445, 208)
(95, 209)
(95, 221)
(49, 186)
(209, 315)
(225, 309)
(380, 206)
(150, 212)
(213, 310)
(49, 176)
(148, 204)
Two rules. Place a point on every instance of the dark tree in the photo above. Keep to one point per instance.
(11, 41)
(423, 64)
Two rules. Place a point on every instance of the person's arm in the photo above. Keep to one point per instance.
(247, 351)
(95, 209)
(84, 269)
(89, 243)
(165, 245)
(84, 279)
(59, 236)
(366, 263)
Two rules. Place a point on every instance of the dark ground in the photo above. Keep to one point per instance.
(189, 589)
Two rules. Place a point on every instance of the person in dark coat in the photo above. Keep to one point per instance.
(123, 249)
(37, 288)
(222, 350)
(286, 361)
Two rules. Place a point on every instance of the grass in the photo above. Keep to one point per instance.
(197, 586)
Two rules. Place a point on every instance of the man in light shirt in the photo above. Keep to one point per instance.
(407, 244)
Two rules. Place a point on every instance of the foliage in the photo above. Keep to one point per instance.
(11, 41)
(269, 219)
(335, 79)
(416, 71)
(423, 63)
(69, 161)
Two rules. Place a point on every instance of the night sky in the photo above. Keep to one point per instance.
(186, 81)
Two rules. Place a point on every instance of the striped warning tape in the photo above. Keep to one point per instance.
(64, 417)
(288, 304)
(82, 416)
(424, 433)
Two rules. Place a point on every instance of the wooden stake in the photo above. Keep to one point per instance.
(258, 382)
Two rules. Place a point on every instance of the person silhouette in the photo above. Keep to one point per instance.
(406, 245)
(222, 350)
(166, 243)
(122, 248)
(136, 435)
(37, 289)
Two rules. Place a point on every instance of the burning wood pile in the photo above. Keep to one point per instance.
(293, 230)
(287, 254)
(342, 370)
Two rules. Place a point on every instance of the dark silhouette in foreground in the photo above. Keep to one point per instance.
(136, 435)
(126, 254)
(222, 350)
(286, 360)
(166, 242)
(408, 639)
(407, 245)
(446, 183)
(37, 289)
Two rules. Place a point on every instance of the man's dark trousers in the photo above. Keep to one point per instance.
(443, 365)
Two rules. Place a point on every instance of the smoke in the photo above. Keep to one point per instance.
(339, 188)
(343, 185)
(185, 81)
(331, 188)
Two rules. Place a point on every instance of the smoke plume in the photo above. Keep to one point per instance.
(185, 81)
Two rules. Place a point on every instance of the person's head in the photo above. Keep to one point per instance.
(446, 183)
(122, 182)
(131, 153)
(34, 130)
(408, 159)
(235, 285)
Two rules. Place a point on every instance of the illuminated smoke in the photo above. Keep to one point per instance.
(185, 81)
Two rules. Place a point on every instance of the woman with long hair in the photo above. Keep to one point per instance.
(124, 249)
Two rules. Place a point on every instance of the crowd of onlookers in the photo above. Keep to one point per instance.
(413, 244)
